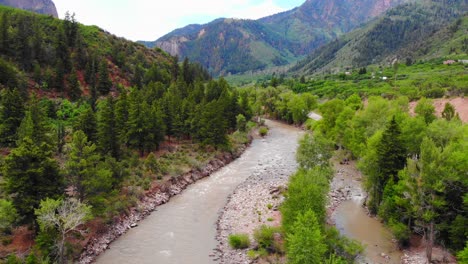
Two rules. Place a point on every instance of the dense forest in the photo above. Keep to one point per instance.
(83, 117)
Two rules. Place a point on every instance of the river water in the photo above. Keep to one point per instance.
(183, 230)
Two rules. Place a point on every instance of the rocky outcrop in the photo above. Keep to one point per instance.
(156, 196)
(46, 7)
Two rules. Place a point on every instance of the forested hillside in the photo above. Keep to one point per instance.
(232, 46)
(406, 32)
(83, 116)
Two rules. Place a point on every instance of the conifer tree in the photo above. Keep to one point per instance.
(391, 158)
(35, 125)
(121, 117)
(106, 130)
(87, 123)
(74, 90)
(11, 113)
(104, 83)
(31, 175)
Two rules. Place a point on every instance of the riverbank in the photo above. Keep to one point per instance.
(255, 202)
(157, 195)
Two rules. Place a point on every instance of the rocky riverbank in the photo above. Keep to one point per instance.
(157, 195)
(255, 202)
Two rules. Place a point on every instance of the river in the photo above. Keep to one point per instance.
(184, 230)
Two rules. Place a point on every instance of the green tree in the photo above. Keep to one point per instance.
(426, 109)
(11, 113)
(449, 112)
(74, 90)
(314, 151)
(83, 169)
(86, 122)
(305, 242)
(35, 125)
(107, 137)
(104, 83)
(241, 123)
(31, 174)
(121, 117)
(8, 214)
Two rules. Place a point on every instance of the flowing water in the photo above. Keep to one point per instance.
(183, 230)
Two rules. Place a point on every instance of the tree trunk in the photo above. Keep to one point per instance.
(430, 242)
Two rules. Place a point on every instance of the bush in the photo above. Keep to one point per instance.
(263, 131)
(265, 237)
(239, 241)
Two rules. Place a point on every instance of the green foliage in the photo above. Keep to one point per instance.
(265, 237)
(306, 191)
(463, 255)
(31, 174)
(314, 150)
(239, 241)
(11, 114)
(305, 242)
(425, 109)
(241, 123)
(263, 131)
(8, 214)
(449, 112)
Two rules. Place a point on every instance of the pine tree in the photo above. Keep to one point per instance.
(104, 84)
(74, 90)
(121, 117)
(106, 129)
(449, 112)
(11, 113)
(87, 123)
(31, 175)
(35, 125)
(391, 158)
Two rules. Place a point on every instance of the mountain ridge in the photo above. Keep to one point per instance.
(274, 40)
(45, 7)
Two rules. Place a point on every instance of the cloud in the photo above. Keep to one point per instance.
(149, 19)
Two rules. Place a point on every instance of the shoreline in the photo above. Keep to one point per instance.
(156, 196)
(254, 202)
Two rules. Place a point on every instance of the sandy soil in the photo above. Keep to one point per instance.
(460, 105)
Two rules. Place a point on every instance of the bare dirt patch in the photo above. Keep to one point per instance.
(460, 104)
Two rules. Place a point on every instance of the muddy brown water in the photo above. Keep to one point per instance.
(353, 221)
(183, 230)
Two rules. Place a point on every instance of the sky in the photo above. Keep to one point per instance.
(151, 19)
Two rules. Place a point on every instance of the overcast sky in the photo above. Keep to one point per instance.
(151, 19)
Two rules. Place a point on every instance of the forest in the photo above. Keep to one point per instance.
(89, 122)
(83, 117)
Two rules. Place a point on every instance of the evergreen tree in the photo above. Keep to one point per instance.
(106, 129)
(11, 113)
(31, 175)
(74, 90)
(87, 123)
(391, 158)
(121, 117)
(140, 126)
(104, 83)
(35, 125)
(85, 171)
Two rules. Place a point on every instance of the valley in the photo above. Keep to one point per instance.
(333, 132)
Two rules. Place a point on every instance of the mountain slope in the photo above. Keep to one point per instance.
(65, 58)
(230, 46)
(46, 7)
(400, 33)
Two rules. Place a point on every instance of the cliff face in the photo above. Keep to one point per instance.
(46, 7)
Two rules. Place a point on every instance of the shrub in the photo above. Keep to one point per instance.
(265, 237)
(239, 241)
(263, 131)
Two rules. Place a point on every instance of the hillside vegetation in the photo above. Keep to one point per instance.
(408, 32)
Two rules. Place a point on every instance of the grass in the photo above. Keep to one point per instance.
(239, 241)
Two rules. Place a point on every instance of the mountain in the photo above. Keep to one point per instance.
(404, 32)
(229, 46)
(46, 7)
(66, 59)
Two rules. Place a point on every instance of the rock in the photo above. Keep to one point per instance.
(133, 225)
